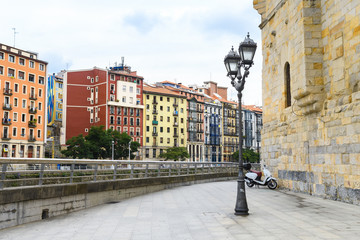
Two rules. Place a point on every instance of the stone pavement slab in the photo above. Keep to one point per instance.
(202, 211)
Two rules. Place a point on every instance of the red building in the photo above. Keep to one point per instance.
(109, 97)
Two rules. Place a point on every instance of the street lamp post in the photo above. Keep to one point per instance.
(112, 150)
(233, 63)
(129, 150)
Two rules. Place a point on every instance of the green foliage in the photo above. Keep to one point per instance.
(98, 145)
(249, 155)
(175, 153)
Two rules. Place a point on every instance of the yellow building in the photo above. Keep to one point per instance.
(165, 120)
(231, 125)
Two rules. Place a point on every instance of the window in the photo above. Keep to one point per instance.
(168, 140)
(124, 99)
(161, 129)
(168, 99)
(24, 103)
(39, 133)
(39, 120)
(11, 72)
(168, 130)
(137, 121)
(287, 85)
(131, 89)
(15, 117)
(23, 117)
(125, 111)
(161, 98)
(11, 58)
(118, 110)
(138, 112)
(41, 80)
(31, 64)
(40, 92)
(147, 128)
(124, 88)
(111, 119)
(168, 119)
(131, 100)
(14, 133)
(147, 140)
(161, 108)
(1, 55)
(23, 132)
(41, 67)
(168, 109)
(161, 118)
(1, 70)
(21, 75)
(22, 61)
(40, 106)
(118, 121)
(161, 140)
(112, 77)
(154, 153)
(15, 102)
(31, 77)
(147, 117)
(131, 121)
(125, 121)
(137, 90)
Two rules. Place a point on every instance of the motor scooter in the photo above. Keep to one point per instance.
(253, 177)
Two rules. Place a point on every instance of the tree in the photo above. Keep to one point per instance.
(175, 153)
(249, 155)
(98, 145)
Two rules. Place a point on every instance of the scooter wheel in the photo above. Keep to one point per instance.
(250, 184)
(272, 184)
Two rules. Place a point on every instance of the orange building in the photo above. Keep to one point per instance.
(22, 101)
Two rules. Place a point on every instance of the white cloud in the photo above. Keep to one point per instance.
(162, 40)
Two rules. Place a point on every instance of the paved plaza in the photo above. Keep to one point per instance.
(202, 211)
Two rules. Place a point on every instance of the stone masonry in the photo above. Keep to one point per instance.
(312, 145)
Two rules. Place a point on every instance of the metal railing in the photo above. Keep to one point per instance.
(16, 172)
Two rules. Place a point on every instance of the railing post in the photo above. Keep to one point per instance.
(146, 170)
(3, 172)
(209, 167)
(95, 172)
(72, 172)
(179, 169)
(115, 168)
(188, 169)
(132, 171)
(41, 173)
(170, 169)
(159, 166)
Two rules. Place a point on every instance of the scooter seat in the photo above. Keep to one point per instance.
(257, 173)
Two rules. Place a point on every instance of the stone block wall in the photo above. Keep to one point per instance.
(312, 146)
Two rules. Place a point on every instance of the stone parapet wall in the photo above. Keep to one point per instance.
(312, 146)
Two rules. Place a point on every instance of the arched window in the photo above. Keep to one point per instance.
(287, 85)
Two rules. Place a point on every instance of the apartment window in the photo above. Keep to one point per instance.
(125, 121)
(168, 119)
(182, 120)
(125, 111)
(138, 112)
(40, 92)
(112, 77)
(111, 119)
(92, 80)
(31, 64)
(21, 75)
(147, 128)
(131, 89)
(147, 97)
(14, 133)
(131, 121)
(161, 140)
(147, 106)
(39, 120)
(168, 109)
(168, 99)
(41, 80)
(11, 72)
(118, 129)
(131, 100)
(11, 58)
(22, 61)
(23, 117)
(137, 90)
(161, 108)
(124, 88)
(1, 70)
(23, 132)
(41, 67)
(39, 133)
(168, 140)
(147, 140)
(181, 110)
(118, 110)
(31, 77)
(147, 117)
(124, 99)
(137, 121)
(161, 98)
(118, 121)
(154, 153)
(1, 55)
(15, 117)
(40, 106)
(15, 102)
(24, 103)
(168, 130)
(161, 118)
(161, 129)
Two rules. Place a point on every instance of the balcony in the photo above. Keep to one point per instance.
(33, 96)
(32, 110)
(155, 122)
(155, 112)
(7, 106)
(31, 139)
(7, 91)
(200, 130)
(175, 104)
(176, 135)
(32, 124)
(154, 102)
(175, 124)
(175, 113)
(6, 137)
(200, 120)
(6, 121)
(154, 134)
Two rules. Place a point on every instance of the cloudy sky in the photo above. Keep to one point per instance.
(176, 40)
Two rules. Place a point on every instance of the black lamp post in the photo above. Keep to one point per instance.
(233, 63)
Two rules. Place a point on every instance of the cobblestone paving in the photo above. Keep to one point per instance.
(202, 211)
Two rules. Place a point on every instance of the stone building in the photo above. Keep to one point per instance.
(311, 95)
